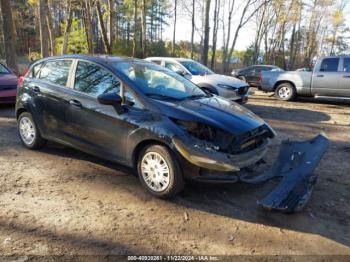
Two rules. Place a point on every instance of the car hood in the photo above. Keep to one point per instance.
(214, 111)
(8, 79)
(216, 79)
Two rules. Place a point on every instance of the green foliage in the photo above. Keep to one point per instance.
(32, 56)
(77, 43)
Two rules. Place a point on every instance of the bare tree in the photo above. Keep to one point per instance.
(215, 32)
(193, 26)
(86, 4)
(44, 34)
(206, 33)
(9, 35)
(106, 43)
(67, 27)
(143, 28)
(135, 30)
(174, 29)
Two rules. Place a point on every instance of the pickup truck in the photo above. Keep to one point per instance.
(330, 79)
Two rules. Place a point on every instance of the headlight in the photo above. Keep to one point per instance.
(227, 86)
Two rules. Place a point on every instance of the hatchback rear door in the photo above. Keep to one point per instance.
(46, 88)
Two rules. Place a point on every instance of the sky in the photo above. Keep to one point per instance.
(246, 36)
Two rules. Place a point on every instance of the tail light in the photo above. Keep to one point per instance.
(260, 77)
(21, 79)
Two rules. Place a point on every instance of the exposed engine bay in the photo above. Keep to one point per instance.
(225, 142)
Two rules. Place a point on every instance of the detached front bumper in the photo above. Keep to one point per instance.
(295, 165)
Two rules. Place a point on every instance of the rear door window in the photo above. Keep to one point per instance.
(346, 65)
(95, 80)
(56, 72)
(329, 65)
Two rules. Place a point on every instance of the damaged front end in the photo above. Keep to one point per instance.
(218, 150)
(222, 156)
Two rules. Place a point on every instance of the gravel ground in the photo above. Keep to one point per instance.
(58, 201)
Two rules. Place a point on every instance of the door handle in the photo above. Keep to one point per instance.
(75, 103)
(347, 76)
(36, 89)
(320, 75)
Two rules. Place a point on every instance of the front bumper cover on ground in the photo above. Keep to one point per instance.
(295, 164)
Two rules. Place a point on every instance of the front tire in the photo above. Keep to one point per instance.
(28, 131)
(160, 172)
(285, 92)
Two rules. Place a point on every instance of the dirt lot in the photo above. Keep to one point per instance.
(60, 201)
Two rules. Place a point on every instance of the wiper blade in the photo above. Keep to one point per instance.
(160, 96)
(193, 97)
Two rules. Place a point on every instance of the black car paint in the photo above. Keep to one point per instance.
(78, 120)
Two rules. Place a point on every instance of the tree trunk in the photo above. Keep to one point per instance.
(215, 32)
(50, 28)
(143, 28)
(106, 44)
(206, 34)
(44, 35)
(111, 24)
(9, 36)
(227, 41)
(174, 29)
(67, 28)
(193, 27)
(88, 24)
(135, 30)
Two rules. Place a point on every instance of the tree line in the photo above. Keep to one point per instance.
(288, 33)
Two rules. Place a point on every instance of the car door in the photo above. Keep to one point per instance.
(249, 74)
(92, 127)
(47, 89)
(325, 79)
(344, 80)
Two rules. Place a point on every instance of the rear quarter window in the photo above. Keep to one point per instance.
(56, 72)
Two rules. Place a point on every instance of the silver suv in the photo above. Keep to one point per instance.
(224, 86)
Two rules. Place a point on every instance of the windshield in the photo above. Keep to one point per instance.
(3, 69)
(276, 69)
(196, 68)
(157, 82)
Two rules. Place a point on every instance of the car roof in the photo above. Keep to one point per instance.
(178, 59)
(103, 59)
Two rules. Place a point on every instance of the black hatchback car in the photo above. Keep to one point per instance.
(141, 115)
(251, 74)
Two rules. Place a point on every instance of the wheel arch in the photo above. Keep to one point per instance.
(283, 82)
(143, 144)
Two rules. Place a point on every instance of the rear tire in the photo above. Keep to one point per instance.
(28, 132)
(285, 92)
(160, 172)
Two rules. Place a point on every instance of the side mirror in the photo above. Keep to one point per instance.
(112, 99)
